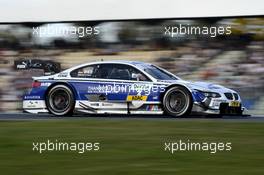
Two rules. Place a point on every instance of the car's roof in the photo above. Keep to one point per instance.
(122, 61)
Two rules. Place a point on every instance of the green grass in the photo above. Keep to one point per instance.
(131, 146)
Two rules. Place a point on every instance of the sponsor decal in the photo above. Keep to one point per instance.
(21, 66)
(217, 102)
(63, 75)
(32, 104)
(107, 104)
(31, 97)
(94, 104)
(137, 98)
(155, 98)
(45, 84)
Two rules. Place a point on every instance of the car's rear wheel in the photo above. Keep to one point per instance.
(60, 100)
(177, 101)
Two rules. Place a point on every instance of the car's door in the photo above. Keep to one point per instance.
(92, 87)
(123, 85)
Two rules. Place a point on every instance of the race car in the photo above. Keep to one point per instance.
(127, 87)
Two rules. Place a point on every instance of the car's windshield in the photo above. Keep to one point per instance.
(158, 73)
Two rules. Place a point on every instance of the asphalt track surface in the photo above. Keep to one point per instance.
(26, 116)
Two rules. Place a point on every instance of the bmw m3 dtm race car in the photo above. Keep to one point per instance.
(127, 87)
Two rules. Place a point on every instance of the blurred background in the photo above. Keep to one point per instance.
(235, 61)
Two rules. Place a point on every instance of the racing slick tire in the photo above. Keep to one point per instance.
(177, 101)
(60, 100)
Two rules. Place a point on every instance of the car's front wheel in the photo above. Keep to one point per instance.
(177, 101)
(60, 100)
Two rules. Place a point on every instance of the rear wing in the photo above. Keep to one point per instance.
(49, 67)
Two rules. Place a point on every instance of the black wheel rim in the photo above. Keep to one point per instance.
(59, 100)
(177, 101)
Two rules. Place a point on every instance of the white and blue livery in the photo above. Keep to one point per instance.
(127, 87)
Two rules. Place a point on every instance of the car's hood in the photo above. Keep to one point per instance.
(202, 86)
